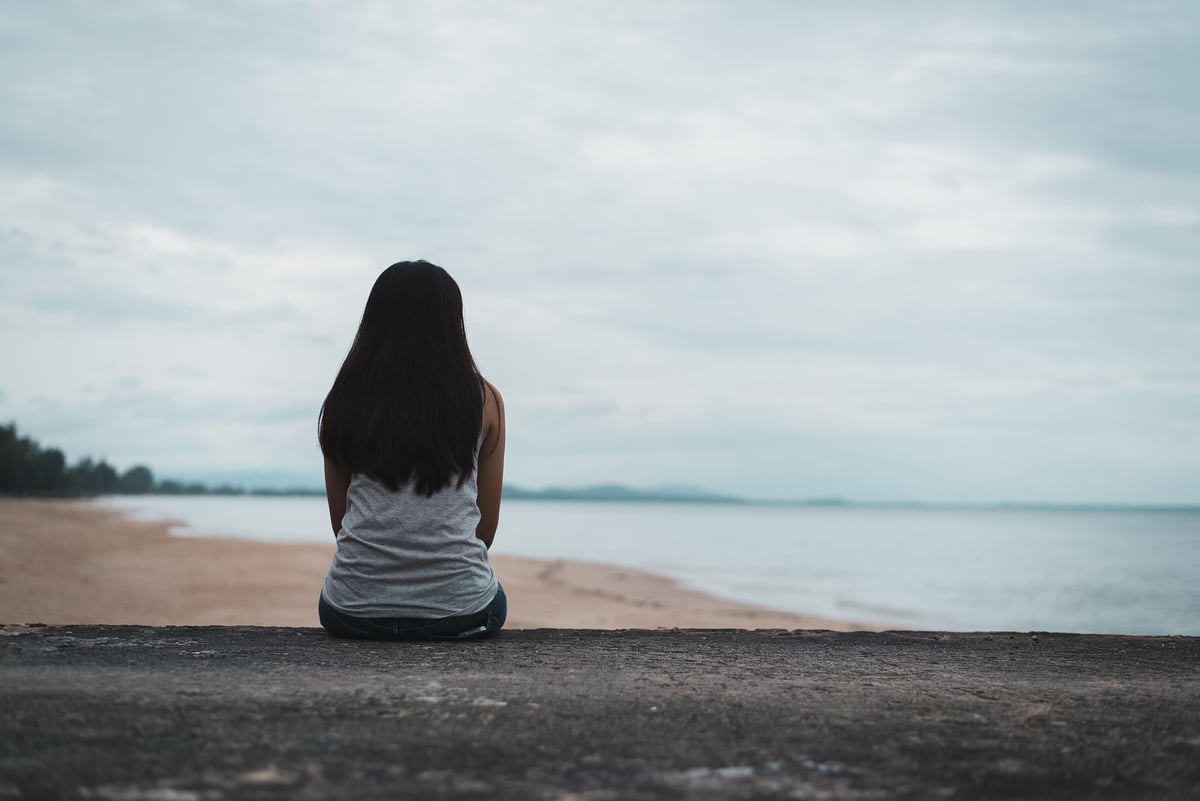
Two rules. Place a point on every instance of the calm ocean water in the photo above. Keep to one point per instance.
(1097, 571)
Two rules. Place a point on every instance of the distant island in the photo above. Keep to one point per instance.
(620, 492)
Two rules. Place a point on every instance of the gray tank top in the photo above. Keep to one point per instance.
(400, 554)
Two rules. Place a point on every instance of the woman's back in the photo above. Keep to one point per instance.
(401, 554)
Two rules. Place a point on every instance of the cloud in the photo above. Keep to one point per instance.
(794, 247)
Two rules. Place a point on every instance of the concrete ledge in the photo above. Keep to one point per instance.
(179, 714)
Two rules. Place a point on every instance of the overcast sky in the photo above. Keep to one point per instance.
(934, 251)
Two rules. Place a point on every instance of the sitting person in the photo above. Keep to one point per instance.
(413, 440)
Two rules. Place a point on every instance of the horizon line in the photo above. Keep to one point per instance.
(614, 492)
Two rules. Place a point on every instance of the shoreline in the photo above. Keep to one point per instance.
(71, 562)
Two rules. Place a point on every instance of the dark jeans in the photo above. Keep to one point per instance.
(488, 621)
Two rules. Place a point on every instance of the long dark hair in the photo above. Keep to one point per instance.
(408, 401)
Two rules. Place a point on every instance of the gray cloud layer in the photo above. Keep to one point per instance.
(931, 250)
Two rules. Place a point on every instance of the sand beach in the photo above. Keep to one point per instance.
(66, 562)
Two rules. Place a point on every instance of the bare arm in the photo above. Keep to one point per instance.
(337, 482)
(491, 465)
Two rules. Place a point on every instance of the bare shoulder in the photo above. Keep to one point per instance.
(492, 397)
(493, 419)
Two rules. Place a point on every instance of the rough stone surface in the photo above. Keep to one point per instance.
(179, 714)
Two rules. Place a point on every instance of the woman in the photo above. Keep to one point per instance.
(413, 439)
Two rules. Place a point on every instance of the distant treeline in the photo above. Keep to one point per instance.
(26, 468)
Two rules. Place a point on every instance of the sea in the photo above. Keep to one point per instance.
(1104, 571)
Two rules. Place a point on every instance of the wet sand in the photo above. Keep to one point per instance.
(66, 562)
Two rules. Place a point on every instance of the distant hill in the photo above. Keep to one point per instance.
(620, 492)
